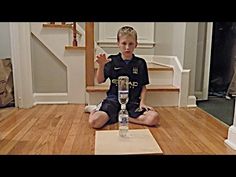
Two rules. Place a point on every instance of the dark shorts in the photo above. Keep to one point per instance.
(112, 108)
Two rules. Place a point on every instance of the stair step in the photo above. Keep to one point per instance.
(164, 88)
(150, 88)
(158, 67)
(61, 26)
(75, 47)
(57, 25)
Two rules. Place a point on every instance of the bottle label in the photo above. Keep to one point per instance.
(123, 121)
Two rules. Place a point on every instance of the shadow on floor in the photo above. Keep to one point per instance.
(219, 107)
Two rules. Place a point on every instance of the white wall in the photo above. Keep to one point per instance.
(164, 38)
(170, 39)
(138, 51)
(200, 56)
(190, 53)
(178, 45)
(49, 74)
(187, 42)
(5, 49)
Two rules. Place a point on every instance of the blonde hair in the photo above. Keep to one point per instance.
(127, 30)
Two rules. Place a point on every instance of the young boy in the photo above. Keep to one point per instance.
(124, 64)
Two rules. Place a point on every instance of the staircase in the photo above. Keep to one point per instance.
(168, 81)
(58, 39)
(159, 92)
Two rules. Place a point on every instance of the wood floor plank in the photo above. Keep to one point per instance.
(208, 132)
(57, 138)
(67, 147)
(37, 130)
(197, 132)
(17, 131)
(49, 132)
(85, 135)
(5, 112)
(5, 149)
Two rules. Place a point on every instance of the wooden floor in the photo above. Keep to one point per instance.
(64, 129)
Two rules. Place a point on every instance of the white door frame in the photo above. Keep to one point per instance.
(21, 64)
(207, 61)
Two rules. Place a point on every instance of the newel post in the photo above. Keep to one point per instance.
(89, 56)
(231, 141)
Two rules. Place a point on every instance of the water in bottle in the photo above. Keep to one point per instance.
(123, 89)
(123, 122)
(123, 96)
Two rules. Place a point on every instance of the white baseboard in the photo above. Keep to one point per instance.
(50, 98)
(199, 95)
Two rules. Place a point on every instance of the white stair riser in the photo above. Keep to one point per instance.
(161, 77)
(155, 78)
(152, 98)
(162, 98)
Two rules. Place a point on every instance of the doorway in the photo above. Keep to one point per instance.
(220, 101)
(222, 58)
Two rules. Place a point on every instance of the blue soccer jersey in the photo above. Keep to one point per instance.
(135, 69)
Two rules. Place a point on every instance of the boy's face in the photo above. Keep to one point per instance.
(127, 44)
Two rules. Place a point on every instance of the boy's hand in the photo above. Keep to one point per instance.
(102, 59)
(147, 108)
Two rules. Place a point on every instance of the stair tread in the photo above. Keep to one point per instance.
(102, 88)
(57, 25)
(162, 87)
(159, 67)
(61, 26)
(75, 47)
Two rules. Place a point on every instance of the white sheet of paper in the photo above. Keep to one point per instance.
(138, 141)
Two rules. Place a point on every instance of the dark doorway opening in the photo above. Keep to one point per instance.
(220, 101)
(222, 58)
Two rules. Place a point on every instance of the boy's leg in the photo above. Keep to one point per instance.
(106, 114)
(98, 119)
(149, 118)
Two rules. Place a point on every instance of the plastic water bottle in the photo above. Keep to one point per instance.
(123, 97)
(123, 121)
